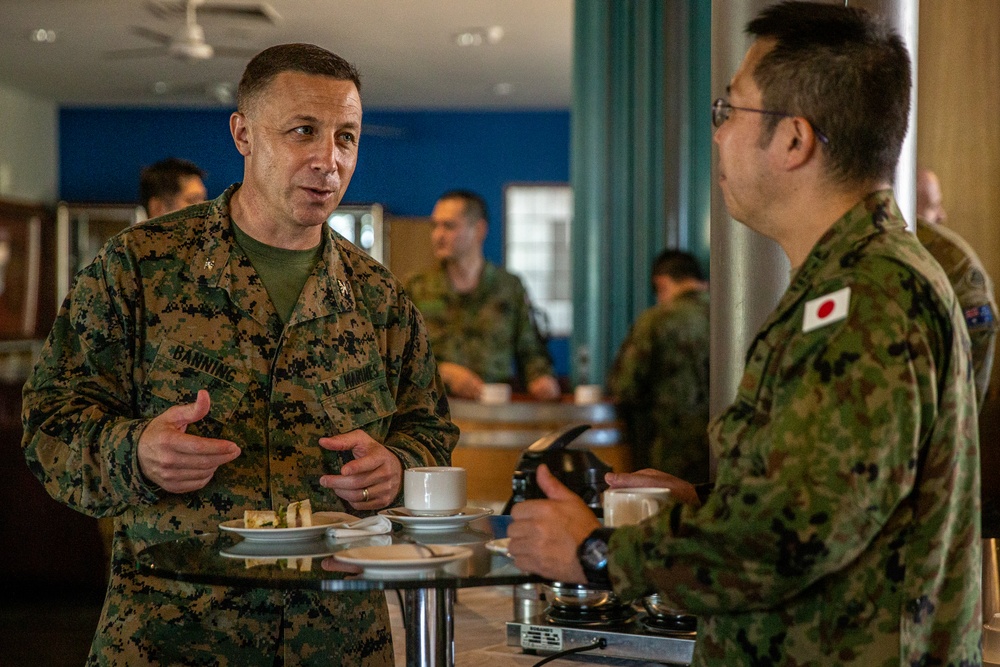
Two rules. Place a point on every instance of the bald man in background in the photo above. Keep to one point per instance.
(969, 279)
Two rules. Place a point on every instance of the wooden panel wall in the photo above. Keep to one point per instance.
(958, 124)
(958, 136)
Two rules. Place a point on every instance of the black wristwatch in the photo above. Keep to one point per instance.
(593, 555)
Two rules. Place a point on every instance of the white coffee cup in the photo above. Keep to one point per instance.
(434, 490)
(624, 507)
(587, 394)
(495, 393)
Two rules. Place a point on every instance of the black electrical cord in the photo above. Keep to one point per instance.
(600, 643)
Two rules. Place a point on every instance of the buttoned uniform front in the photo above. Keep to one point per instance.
(659, 382)
(974, 290)
(843, 528)
(489, 330)
(172, 306)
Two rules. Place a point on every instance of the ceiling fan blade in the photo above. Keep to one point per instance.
(152, 35)
(251, 10)
(144, 52)
(235, 52)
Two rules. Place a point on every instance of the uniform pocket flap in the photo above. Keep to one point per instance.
(357, 398)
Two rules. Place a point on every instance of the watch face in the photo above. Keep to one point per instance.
(596, 553)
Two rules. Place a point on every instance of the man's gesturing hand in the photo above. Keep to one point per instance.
(178, 462)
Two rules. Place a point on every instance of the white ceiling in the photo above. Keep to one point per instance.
(405, 50)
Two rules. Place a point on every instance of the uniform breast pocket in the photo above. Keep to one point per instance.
(362, 406)
(175, 377)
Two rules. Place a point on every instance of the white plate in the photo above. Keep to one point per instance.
(398, 560)
(321, 521)
(299, 549)
(499, 546)
(402, 516)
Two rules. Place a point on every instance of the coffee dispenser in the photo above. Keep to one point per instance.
(578, 469)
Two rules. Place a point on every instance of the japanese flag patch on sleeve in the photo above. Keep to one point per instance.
(826, 309)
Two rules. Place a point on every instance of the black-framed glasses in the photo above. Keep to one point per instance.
(721, 109)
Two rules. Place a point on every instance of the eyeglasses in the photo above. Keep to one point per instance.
(721, 109)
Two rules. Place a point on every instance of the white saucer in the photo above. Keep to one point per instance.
(499, 546)
(401, 560)
(402, 516)
(321, 520)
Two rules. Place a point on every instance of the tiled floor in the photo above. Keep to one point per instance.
(54, 630)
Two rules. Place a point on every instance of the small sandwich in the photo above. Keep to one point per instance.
(260, 519)
(299, 514)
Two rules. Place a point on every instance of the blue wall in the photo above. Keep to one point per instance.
(407, 158)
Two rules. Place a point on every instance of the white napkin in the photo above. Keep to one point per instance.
(371, 525)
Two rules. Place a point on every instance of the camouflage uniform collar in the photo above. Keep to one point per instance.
(211, 259)
(488, 277)
(442, 285)
(327, 290)
(875, 214)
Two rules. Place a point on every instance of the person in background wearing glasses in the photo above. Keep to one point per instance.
(843, 525)
(972, 284)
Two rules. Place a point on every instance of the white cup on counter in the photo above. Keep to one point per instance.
(625, 507)
(495, 393)
(434, 490)
(588, 394)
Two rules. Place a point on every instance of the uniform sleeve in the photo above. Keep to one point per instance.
(814, 460)
(421, 432)
(983, 347)
(532, 356)
(635, 356)
(79, 434)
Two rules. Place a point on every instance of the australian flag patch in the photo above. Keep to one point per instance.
(979, 316)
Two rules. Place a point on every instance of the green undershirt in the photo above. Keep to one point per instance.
(283, 272)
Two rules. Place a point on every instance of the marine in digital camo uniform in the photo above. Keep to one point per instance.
(660, 385)
(488, 330)
(841, 554)
(169, 307)
(974, 290)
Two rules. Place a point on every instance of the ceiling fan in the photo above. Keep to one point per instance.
(189, 42)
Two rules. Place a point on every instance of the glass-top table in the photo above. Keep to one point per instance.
(428, 594)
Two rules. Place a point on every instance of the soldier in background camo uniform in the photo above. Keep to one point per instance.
(972, 284)
(478, 315)
(238, 355)
(659, 380)
(843, 527)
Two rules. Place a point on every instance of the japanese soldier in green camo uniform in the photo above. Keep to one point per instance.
(962, 265)
(237, 355)
(478, 315)
(843, 525)
(659, 380)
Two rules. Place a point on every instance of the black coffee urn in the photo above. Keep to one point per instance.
(578, 469)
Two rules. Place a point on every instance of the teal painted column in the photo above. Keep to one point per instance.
(699, 148)
(634, 128)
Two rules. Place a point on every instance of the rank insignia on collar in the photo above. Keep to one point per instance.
(344, 290)
(826, 309)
